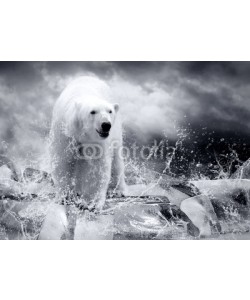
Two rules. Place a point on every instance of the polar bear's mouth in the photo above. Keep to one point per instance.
(103, 134)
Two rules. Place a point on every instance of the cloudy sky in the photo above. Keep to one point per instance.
(156, 98)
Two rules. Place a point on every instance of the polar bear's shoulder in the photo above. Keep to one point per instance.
(87, 85)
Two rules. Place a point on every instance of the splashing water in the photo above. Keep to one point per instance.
(134, 218)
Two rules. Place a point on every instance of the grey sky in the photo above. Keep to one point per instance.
(155, 97)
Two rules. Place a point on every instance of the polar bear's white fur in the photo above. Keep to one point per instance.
(83, 153)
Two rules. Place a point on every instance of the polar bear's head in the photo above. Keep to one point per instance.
(100, 118)
(93, 121)
(85, 110)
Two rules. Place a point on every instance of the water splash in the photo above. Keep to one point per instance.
(170, 158)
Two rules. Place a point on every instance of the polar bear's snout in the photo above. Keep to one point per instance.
(106, 126)
(104, 129)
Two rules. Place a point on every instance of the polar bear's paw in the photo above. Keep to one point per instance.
(118, 192)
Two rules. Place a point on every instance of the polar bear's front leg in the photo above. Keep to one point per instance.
(98, 203)
(118, 176)
(101, 187)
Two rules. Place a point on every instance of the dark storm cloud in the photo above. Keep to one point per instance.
(239, 71)
(155, 97)
(102, 69)
(19, 72)
(219, 110)
(221, 91)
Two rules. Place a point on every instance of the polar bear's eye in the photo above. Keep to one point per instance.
(110, 111)
(93, 112)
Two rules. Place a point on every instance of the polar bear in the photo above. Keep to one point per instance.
(86, 143)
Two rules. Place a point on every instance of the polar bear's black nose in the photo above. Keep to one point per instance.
(106, 126)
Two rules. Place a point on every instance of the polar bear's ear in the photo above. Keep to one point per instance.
(116, 107)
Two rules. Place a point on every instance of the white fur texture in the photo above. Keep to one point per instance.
(77, 117)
